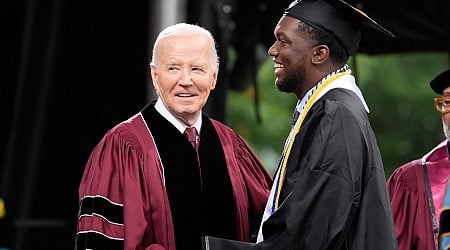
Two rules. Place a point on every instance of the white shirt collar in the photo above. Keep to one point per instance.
(302, 103)
(161, 108)
(345, 82)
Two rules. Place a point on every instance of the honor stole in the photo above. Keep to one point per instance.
(279, 179)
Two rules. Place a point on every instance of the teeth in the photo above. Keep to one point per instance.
(184, 95)
(277, 65)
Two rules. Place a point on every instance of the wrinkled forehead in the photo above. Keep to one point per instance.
(194, 47)
(185, 46)
(185, 40)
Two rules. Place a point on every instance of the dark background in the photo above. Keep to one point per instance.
(70, 70)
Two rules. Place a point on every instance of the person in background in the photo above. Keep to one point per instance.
(151, 184)
(416, 189)
(330, 189)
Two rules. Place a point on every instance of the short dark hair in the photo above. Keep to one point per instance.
(337, 52)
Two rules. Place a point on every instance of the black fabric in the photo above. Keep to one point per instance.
(334, 194)
(96, 242)
(199, 206)
(220, 207)
(335, 150)
(353, 176)
(444, 224)
(101, 206)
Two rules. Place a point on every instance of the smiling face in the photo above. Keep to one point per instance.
(291, 54)
(184, 74)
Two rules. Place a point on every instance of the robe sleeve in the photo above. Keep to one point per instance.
(257, 180)
(256, 177)
(114, 211)
(250, 179)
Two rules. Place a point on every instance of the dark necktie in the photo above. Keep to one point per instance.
(191, 135)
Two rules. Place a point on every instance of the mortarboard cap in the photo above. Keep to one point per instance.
(440, 82)
(335, 17)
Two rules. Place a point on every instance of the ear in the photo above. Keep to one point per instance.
(321, 53)
(214, 76)
(154, 74)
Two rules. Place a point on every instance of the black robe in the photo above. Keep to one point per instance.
(334, 195)
(194, 200)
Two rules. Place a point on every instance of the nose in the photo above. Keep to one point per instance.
(272, 50)
(186, 78)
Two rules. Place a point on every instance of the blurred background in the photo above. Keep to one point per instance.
(71, 70)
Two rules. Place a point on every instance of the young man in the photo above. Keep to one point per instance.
(147, 186)
(416, 189)
(330, 190)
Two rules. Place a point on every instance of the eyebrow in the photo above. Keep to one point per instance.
(189, 64)
(172, 64)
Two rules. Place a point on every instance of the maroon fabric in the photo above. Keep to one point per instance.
(409, 201)
(125, 168)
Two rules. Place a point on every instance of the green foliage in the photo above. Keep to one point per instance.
(403, 116)
(266, 137)
(396, 88)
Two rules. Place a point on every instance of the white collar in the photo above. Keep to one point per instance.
(345, 82)
(302, 103)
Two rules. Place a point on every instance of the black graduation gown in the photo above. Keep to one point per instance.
(334, 194)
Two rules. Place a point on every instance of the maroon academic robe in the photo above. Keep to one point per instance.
(416, 212)
(125, 173)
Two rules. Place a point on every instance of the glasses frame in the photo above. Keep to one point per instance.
(438, 102)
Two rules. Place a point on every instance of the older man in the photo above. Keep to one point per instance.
(417, 188)
(170, 174)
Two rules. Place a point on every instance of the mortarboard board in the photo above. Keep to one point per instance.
(335, 17)
(440, 82)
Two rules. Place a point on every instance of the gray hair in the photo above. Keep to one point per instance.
(182, 29)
